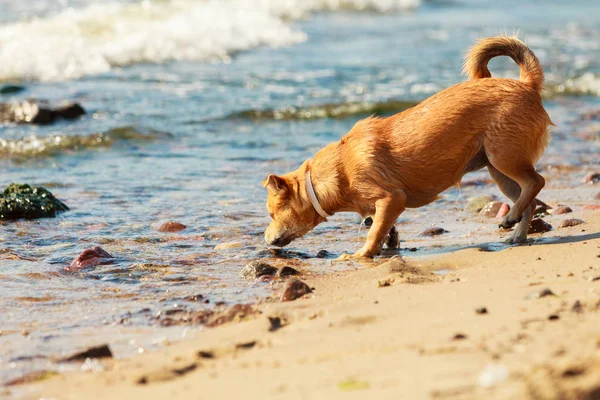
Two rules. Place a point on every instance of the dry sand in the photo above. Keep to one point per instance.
(394, 330)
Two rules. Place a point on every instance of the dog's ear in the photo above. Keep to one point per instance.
(275, 184)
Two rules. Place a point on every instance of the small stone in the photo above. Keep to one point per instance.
(577, 307)
(256, 269)
(275, 323)
(504, 209)
(229, 245)
(102, 351)
(246, 345)
(206, 354)
(393, 239)
(294, 289)
(481, 310)
(491, 209)
(540, 211)
(91, 258)
(324, 254)
(435, 231)
(170, 226)
(562, 210)
(287, 271)
(594, 278)
(592, 178)
(553, 317)
(368, 221)
(571, 222)
(459, 336)
(538, 225)
(592, 207)
(542, 293)
(476, 204)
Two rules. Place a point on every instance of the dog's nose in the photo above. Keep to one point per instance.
(279, 241)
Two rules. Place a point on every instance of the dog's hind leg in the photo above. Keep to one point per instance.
(387, 210)
(512, 190)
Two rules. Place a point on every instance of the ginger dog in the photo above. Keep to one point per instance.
(384, 165)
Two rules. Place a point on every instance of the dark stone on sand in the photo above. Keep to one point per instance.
(538, 225)
(368, 221)
(541, 211)
(287, 271)
(542, 293)
(91, 258)
(33, 112)
(324, 254)
(592, 178)
(294, 289)
(567, 223)
(459, 336)
(435, 231)
(170, 226)
(562, 210)
(102, 351)
(553, 317)
(481, 310)
(23, 201)
(275, 323)
(393, 239)
(256, 269)
(577, 307)
(206, 354)
(246, 345)
(11, 89)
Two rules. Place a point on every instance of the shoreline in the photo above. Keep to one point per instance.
(394, 328)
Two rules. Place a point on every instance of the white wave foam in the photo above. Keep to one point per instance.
(94, 39)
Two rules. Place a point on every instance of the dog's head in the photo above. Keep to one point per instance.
(292, 213)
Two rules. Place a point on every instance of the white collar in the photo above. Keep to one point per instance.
(313, 196)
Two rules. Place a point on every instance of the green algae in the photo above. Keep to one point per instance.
(23, 201)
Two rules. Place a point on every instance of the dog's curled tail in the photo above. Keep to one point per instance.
(477, 58)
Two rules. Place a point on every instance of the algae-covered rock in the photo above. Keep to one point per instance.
(36, 112)
(23, 201)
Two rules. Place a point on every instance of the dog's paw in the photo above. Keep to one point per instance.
(508, 223)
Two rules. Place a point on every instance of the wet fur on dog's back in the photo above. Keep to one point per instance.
(413, 156)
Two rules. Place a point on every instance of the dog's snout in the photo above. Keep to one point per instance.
(279, 241)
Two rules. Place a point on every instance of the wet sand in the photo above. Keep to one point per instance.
(521, 322)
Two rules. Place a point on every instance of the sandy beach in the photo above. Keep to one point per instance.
(517, 323)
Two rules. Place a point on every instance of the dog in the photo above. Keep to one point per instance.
(385, 165)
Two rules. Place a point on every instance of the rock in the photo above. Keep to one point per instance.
(102, 351)
(459, 336)
(541, 210)
(393, 239)
(324, 254)
(91, 258)
(368, 221)
(476, 204)
(230, 245)
(542, 293)
(11, 89)
(435, 231)
(504, 209)
(562, 210)
(538, 202)
(570, 222)
(592, 178)
(256, 269)
(32, 112)
(170, 226)
(481, 310)
(287, 271)
(538, 225)
(491, 209)
(294, 289)
(577, 307)
(592, 207)
(23, 201)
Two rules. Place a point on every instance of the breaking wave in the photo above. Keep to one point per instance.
(94, 39)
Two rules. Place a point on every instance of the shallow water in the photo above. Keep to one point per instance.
(207, 122)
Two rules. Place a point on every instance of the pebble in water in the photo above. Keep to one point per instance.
(91, 258)
(592, 178)
(170, 226)
(435, 231)
(257, 269)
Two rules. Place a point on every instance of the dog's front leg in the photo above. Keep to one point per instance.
(387, 210)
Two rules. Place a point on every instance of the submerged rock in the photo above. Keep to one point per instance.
(592, 178)
(567, 223)
(102, 351)
(170, 226)
(287, 271)
(23, 201)
(91, 258)
(256, 269)
(11, 89)
(538, 225)
(491, 209)
(294, 289)
(32, 112)
(476, 204)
